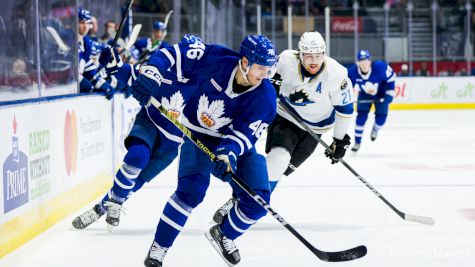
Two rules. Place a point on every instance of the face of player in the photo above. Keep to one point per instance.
(312, 61)
(93, 29)
(257, 72)
(364, 65)
(158, 34)
(84, 27)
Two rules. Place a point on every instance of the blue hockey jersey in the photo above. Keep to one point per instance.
(145, 44)
(196, 81)
(87, 69)
(380, 80)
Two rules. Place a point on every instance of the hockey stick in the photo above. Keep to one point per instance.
(337, 256)
(167, 18)
(133, 36)
(404, 216)
(378, 100)
(122, 23)
(63, 48)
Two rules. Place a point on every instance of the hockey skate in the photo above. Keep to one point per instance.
(88, 217)
(223, 210)
(374, 134)
(355, 148)
(155, 255)
(114, 208)
(224, 246)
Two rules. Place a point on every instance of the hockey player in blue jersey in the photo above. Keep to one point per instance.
(231, 105)
(89, 79)
(375, 82)
(147, 45)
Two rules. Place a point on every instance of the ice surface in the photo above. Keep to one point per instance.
(423, 162)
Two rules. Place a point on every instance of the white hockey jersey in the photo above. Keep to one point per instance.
(323, 101)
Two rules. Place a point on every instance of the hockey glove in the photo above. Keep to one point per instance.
(108, 90)
(85, 86)
(123, 88)
(224, 165)
(110, 58)
(388, 99)
(142, 89)
(338, 148)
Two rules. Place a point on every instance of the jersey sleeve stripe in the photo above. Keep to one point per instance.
(242, 136)
(179, 73)
(346, 109)
(239, 142)
(169, 56)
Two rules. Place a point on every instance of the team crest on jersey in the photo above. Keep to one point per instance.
(209, 115)
(175, 105)
(370, 88)
(299, 98)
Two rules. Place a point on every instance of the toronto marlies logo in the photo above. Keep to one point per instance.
(175, 105)
(209, 115)
(15, 176)
(370, 88)
(299, 98)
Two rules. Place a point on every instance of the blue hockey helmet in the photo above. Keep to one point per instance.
(363, 54)
(84, 15)
(258, 49)
(159, 26)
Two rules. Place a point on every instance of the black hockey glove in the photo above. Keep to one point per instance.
(338, 148)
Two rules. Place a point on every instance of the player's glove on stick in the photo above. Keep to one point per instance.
(110, 58)
(108, 90)
(388, 98)
(142, 89)
(338, 148)
(224, 165)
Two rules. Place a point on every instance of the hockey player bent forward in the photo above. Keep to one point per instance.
(230, 107)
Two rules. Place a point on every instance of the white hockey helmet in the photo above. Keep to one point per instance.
(312, 42)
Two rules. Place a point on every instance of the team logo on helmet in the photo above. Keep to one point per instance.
(258, 49)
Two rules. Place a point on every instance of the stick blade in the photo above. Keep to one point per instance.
(345, 255)
(419, 219)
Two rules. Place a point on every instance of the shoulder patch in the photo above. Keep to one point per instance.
(344, 84)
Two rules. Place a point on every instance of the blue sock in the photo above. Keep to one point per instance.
(235, 223)
(273, 184)
(137, 158)
(173, 219)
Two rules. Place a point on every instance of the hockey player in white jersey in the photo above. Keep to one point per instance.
(317, 89)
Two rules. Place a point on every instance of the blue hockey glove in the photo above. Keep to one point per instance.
(388, 99)
(123, 88)
(142, 89)
(108, 90)
(111, 59)
(338, 148)
(85, 86)
(224, 165)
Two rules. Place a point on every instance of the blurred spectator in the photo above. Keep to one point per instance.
(461, 72)
(93, 31)
(110, 28)
(18, 77)
(404, 71)
(423, 70)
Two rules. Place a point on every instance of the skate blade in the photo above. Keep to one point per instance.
(110, 228)
(216, 247)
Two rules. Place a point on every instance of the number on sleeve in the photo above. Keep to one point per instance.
(258, 128)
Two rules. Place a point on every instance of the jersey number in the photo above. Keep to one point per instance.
(346, 97)
(258, 128)
(196, 51)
